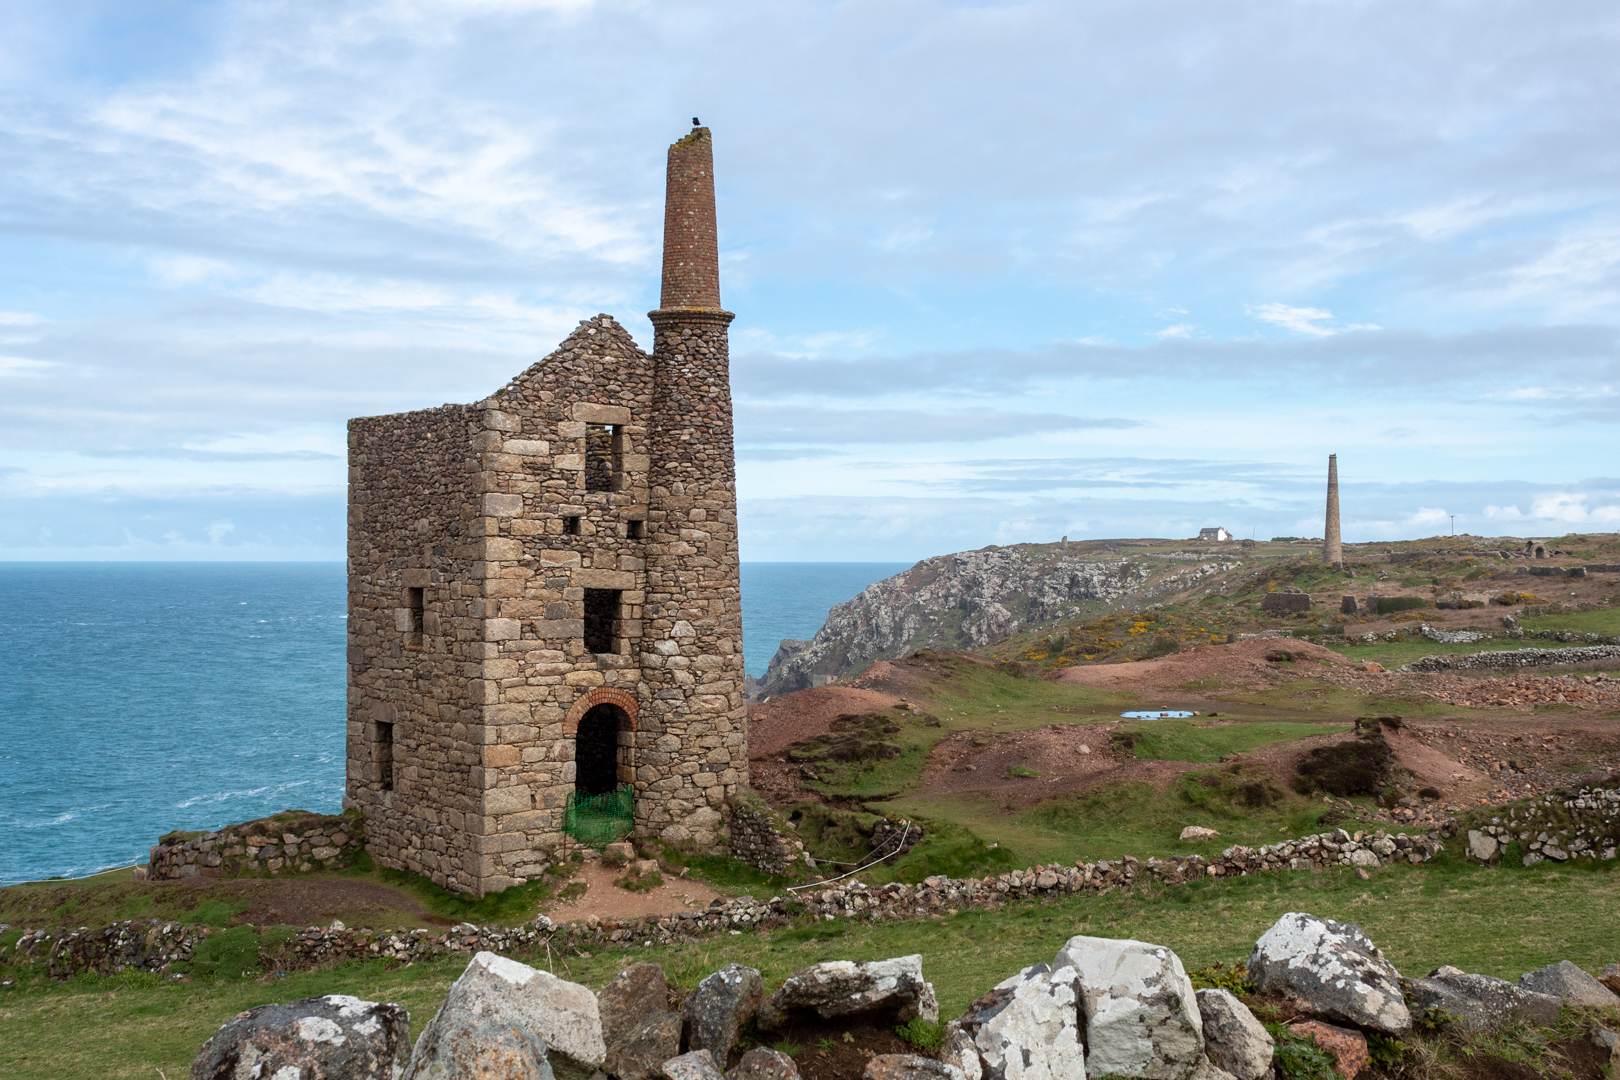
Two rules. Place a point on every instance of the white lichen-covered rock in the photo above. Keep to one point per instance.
(764, 1064)
(717, 1010)
(894, 990)
(958, 1050)
(1234, 1040)
(1332, 969)
(696, 1065)
(1570, 984)
(1481, 1003)
(503, 1018)
(910, 1067)
(1138, 1005)
(1027, 1028)
(1208, 1070)
(335, 1037)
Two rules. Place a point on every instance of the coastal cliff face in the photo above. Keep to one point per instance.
(973, 598)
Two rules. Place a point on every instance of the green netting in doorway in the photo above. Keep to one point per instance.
(599, 820)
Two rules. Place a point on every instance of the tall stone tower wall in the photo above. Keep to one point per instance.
(1332, 549)
(485, 540)
(694, 592)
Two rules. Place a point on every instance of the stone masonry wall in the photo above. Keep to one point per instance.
(694, 661)
(287, 843)
(598, 468)
(413, 492)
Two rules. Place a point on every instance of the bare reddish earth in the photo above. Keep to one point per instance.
(1240, 665)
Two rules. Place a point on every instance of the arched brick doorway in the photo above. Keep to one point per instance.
(601, 750)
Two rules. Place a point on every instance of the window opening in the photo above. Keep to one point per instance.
(636, 530)
(604, 455)
(570, 526)
(601, 612)
(416, 599)
(385, 753)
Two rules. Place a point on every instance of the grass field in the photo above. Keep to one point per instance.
(1392, 654)
(1498, 922)
(1605, 621)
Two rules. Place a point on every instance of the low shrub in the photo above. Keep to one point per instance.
(1358, 766)
(1218, 976)
(229, 954)
(1300, 1057)
(923, 1034)
(1389, 605)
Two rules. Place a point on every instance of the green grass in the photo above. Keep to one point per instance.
(1605, 621)
(970, 698)
(1392, 654)
(1204, 741)
(1441, 913)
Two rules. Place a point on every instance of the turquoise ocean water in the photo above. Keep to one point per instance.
(141, 697)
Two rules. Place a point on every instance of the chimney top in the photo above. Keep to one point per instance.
(691, 244)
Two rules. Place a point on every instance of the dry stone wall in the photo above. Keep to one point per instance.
(1583, 825)
(155, 946)
(294, 844)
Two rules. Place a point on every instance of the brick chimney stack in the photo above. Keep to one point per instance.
(691, 250)
(1332, 550)
(692, 658)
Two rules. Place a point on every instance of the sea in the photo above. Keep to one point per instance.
(136, 698)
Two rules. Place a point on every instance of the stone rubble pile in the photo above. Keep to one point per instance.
(1101, 1008)
(1584, 826)
(308, 842)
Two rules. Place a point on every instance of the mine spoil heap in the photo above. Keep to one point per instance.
(543, 590)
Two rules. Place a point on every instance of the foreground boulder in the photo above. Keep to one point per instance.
(891, 990)
(1569, 984)
(1234, 1040)
(698, 1065)
(1479, 1002)
(1332, 969)
(910, 1067)
(335, 1037)
(717, 1010)
(638, 1028)
(1027, 1028)
(506, 1019)
(762, 1064)
(1140, 1012)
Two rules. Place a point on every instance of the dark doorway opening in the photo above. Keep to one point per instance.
(596, 750)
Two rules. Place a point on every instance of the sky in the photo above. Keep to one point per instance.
(1003, 272)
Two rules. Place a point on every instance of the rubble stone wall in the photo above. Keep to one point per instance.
(267, 846)
(154, 946)
(1585, 825)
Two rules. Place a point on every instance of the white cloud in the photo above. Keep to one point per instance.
(1302, 320)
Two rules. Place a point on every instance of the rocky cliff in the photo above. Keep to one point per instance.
(973, 598)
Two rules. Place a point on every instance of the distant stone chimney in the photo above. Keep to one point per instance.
(1332, 550)
(691, 246)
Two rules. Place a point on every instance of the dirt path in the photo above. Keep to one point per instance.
(606, 900)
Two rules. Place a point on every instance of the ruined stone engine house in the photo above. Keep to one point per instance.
(543, 589)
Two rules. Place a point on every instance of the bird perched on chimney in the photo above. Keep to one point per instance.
(695, 122)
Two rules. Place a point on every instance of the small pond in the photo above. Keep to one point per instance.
(1159, 714)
